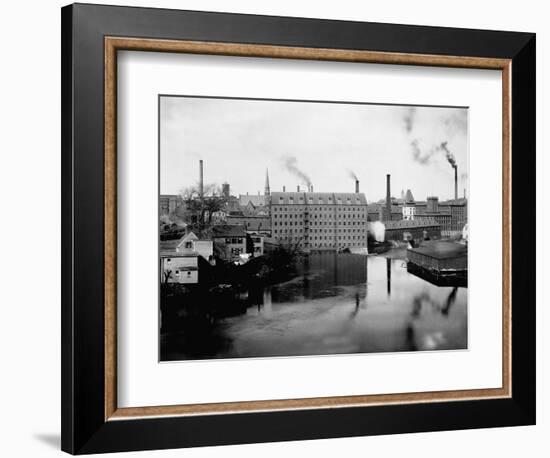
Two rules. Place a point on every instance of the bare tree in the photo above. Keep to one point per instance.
(167, 274)
(200, 207)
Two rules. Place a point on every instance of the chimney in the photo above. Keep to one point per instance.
(201, 182)
(225, 190)
(465, 193)
(311, 188)
(298, 188)
(432, 204)
(284, 188)
(356, 186)
(456, 183)
(388, 198)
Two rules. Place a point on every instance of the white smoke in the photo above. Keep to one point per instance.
(378, 230)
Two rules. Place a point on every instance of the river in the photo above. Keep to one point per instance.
(338, 303)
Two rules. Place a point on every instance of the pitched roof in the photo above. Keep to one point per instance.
(256, 200)
(189, 236)
(318, 198)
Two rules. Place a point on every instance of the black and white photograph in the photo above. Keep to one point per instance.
(294, 228)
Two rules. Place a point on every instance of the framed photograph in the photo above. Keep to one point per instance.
(282, 228)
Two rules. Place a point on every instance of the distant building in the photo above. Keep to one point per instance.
(229, 241)
(168, 203)
(256, 200)
(377, 211)
(409, 208)
(219, 217)
(416, 230)
(432, 210)
(226, 191)
(458, 209)
(251, 223)
(319, 221)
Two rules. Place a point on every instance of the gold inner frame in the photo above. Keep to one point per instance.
(114, 44)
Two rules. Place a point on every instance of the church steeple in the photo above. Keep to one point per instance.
(266, 190)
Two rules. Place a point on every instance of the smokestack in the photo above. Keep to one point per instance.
(465, 193)
(356, 186)
(311, 188)
(284, 188)
(388, 198)
(432, 204)
(456, 183)
(298, 188)
(201, 179)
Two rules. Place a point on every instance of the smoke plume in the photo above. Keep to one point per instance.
(419, 155)
(448, 155)
(351, 173)
(290, 164)
(409, 118)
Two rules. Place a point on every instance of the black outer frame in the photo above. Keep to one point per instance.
(84, 429)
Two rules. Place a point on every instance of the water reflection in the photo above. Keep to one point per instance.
(325, 309)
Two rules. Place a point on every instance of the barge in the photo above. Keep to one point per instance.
(442, 263)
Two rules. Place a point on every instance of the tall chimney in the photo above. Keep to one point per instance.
(284, 188)
(456, 183)
(201, 182)
(465, 193)
(311, 188)
(298, 188)
(356, 186)
(388, 198)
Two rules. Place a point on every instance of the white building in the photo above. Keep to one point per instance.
(191, 243)
(409, 207)
(179, 267)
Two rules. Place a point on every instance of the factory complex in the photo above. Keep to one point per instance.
(242, 227)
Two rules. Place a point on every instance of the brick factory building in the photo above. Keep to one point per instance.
(416, 230)
(319, 220)
(451, 214)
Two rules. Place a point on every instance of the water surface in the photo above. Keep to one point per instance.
(337, 303)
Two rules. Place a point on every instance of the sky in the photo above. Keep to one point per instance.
(328, 143)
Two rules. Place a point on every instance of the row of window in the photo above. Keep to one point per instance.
(319, 223)
(316, 216)
(317, 231)
(234, 240)
(283, 208)
(321, 201)
(325, 244)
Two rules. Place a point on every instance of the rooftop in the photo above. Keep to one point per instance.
(174, 254)
(256, 200)
(410, 223)
(170, 245)
(227, 230)
(442, 249)
(318, 198)
(461, 201)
